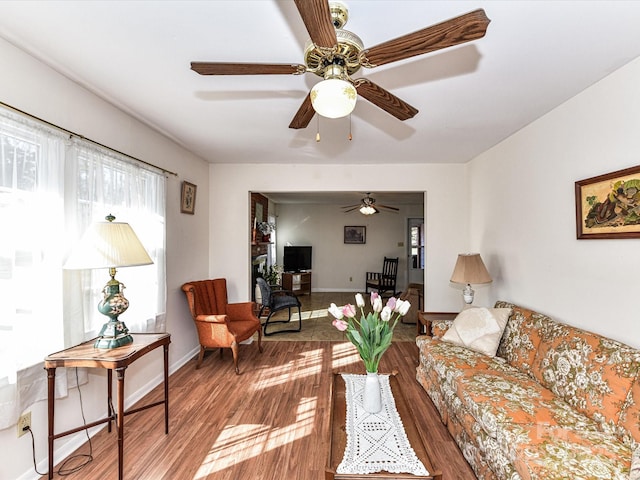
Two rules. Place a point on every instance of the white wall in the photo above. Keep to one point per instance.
(34, 88)
(322, 227)
(445, 215)
(523, 211)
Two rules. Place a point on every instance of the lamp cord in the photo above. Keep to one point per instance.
(63, 470)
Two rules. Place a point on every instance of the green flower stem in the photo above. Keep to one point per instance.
(371, 337)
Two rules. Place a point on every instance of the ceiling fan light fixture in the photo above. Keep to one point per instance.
(334, 97)
(368, 210)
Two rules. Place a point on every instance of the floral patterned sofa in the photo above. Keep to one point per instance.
(556, 402)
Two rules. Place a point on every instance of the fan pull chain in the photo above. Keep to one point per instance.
(318, 129)
(350, 136)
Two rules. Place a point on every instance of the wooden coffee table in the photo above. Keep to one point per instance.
(339, 435)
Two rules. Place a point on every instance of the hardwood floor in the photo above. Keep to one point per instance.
(271, 422)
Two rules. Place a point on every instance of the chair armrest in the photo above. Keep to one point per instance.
(211, 318)
(241, 311)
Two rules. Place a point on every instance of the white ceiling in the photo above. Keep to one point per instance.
(136, 54)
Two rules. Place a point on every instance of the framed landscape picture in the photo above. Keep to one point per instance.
(608, 206)
(188, 198)
(355, 234)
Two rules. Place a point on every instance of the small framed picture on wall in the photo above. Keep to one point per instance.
(608, 206)
(188, 198)
(355, 234)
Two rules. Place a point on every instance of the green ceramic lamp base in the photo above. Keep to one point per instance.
(114, 334)
(111, 342)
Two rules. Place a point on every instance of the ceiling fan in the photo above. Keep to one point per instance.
(368, 206)
(335, 54)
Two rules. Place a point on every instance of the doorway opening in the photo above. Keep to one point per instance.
(415, 254)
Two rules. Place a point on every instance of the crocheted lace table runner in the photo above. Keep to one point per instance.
(376, 441)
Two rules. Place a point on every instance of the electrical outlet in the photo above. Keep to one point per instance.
(351, 279)
(24, 423)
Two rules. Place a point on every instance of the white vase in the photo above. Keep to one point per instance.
(371, 396)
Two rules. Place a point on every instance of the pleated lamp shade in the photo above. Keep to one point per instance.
(106, 245)
(470, 269)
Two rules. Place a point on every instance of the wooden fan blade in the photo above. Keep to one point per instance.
(222, 68)
(304, 114)
(467, 27)
(352, 209)
(317, 18)
(384, 99)
(387, 207)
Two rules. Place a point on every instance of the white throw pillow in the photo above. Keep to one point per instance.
(479, 329)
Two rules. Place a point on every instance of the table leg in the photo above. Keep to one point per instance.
(166, 389)
(120, 421)
(51, 398)
(110, 411)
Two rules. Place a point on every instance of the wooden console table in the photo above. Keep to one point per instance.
(338, 432)
(298, 283)
(118, 359)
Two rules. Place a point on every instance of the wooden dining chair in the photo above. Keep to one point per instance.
(385, 280)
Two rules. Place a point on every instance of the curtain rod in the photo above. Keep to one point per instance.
(163, 170)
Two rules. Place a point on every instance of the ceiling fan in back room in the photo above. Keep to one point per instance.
(368, 206)
(336, 54)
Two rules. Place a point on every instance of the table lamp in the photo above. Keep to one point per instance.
(110, 245)
(470, 269)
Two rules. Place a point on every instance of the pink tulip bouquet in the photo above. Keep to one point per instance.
(372, 333)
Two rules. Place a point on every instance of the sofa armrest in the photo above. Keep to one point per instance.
(435, 323)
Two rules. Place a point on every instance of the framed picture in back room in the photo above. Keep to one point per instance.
(355, 234)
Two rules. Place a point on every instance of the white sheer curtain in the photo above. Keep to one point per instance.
(51, 189)
(103, 183)
(31, 204)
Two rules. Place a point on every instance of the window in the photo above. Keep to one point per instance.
(417, 246)
(51, 189)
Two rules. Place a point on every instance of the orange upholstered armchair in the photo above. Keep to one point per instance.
(220, 324)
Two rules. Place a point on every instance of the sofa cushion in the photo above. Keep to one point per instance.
(442, 356)
(591, 373)
(479, 329)
(498, 398)
(571, 447)
(521, 336)
(556, 453)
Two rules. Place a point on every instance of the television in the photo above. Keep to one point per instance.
(297, 258)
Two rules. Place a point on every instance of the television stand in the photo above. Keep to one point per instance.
(299, 282)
